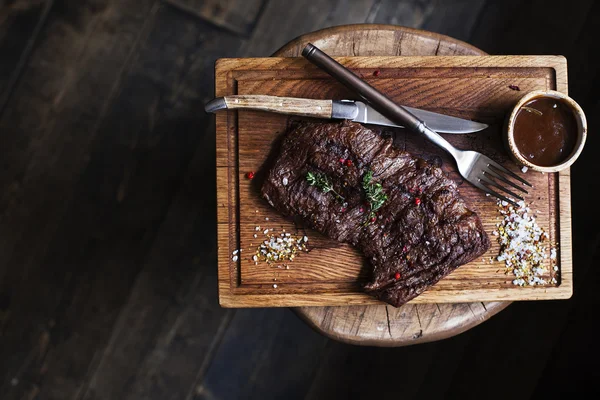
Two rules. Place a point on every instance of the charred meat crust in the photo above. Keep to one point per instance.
(422, 232)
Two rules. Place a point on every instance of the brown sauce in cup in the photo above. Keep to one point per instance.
(545, 131)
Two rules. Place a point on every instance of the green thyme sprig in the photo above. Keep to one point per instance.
(374, 193)
(323, 183)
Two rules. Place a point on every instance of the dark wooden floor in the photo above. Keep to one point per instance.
(107, 211)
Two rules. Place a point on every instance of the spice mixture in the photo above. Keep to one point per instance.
(524, 246)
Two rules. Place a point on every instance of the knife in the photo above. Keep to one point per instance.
(338, 109)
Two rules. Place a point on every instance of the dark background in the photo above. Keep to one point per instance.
(107, 211)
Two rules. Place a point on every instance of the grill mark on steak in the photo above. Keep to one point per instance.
(438, 235)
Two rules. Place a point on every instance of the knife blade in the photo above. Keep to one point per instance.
(339, 109)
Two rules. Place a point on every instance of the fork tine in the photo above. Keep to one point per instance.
(502, 169)
(491, 192)
(491, 182)
(503, 179)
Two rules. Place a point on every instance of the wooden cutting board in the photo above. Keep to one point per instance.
(332, 273)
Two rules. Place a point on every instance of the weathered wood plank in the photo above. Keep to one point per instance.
(144, 146)
(455, 19)
(47, 131)
(284, 20)
(236, 15)
(20, 24)
(265, 354)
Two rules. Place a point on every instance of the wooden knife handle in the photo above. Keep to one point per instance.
(281, 105)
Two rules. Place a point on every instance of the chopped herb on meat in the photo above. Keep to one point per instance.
(374, 193)
(323, 183)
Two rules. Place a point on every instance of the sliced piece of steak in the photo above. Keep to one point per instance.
(422, 232)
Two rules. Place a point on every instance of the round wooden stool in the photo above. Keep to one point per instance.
(382, 325)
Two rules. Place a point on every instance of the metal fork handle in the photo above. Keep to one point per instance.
(378, 100)
(433, 136)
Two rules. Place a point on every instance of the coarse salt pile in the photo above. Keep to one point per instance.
(523, 245)
(280, 248)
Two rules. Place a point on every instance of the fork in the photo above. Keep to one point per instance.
(478, 169)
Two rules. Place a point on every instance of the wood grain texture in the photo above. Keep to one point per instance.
(151, 154)
(20, 24)
(280, 356)
(377, 325)
(301, 17)
(56, 234)
(238, 16)
(331, 274)
(455, 18)
(280, 105)
(379, 40)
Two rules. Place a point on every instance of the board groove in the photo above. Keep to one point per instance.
(332, 273)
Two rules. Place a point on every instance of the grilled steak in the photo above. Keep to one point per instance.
(421, 232)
